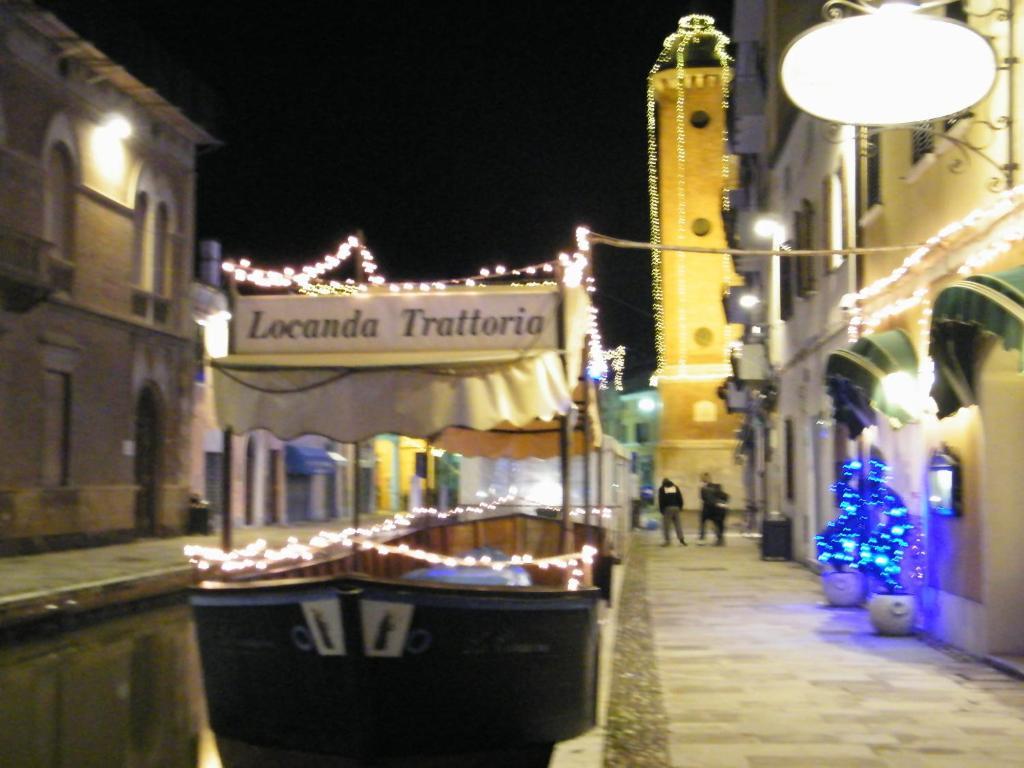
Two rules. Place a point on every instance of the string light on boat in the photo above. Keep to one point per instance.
(258, 556)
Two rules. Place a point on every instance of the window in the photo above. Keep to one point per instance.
(59, 214)
(56, 428)
(956, 11)
(922, 142)
(806, 272)
(160, 251)
(835, 217)
(150, 246)
(790, 461)
(642, 432)
(786, 287)
(140, 236)
(873, 170)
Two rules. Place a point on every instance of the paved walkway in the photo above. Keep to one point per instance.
(753, 670)
(719, 659)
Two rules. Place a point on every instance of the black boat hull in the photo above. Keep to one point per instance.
(369, 668)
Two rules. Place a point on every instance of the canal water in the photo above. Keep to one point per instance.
(124, 692)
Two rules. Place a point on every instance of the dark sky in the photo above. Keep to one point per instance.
(455, 135)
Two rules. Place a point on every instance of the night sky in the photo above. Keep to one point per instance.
(455, 135)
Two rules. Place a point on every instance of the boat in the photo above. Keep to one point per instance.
(469, 634)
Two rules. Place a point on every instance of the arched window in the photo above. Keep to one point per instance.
(59, 201)
(160, 234)
(139, 241)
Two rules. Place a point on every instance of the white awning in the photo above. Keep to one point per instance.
(353, 395)
(539, 439)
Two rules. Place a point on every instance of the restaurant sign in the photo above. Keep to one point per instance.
(483, 320)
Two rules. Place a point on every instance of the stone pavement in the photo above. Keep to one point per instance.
(710, 657)
(753, 670)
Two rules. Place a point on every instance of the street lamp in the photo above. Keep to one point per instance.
(768, 227)
(890, 65)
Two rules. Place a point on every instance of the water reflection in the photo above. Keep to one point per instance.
(127, 692)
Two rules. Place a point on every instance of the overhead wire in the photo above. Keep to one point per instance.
(616, 242)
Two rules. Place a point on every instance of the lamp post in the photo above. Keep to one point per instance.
(770, 228)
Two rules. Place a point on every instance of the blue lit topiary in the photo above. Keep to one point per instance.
(839, 543)
(881, 556)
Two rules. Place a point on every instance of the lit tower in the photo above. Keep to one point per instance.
(689, 174)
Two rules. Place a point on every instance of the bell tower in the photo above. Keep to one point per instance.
(690, 175)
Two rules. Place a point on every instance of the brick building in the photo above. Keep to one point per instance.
(97, 350)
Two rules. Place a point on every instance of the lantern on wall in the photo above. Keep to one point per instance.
(944, 483)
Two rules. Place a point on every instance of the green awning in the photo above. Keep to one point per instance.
(854, 378)
(963, 315)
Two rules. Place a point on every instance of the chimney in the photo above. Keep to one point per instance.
(209, 262)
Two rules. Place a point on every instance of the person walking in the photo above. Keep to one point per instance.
(670, 504)
(712, 508)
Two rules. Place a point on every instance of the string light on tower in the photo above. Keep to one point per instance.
(692, 28)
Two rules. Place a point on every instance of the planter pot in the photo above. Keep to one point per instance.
(892, 614)
(843, 588)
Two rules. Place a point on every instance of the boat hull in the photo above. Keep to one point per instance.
(372, 668)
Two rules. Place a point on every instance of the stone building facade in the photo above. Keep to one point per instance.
(97, 350)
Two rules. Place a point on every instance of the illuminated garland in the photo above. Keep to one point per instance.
(309, 279)
(936, 245)
(258, 556)
(691, 29)
(287, 277)
(616, 360)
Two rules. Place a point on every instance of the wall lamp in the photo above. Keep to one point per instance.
(117, 126)
(944, 495)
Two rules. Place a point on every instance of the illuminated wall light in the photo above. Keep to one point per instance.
(749, 301)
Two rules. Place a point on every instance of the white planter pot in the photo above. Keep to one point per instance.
(843, 588)
(892, 614)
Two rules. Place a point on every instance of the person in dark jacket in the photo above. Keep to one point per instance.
(712, 508)
(670, 504)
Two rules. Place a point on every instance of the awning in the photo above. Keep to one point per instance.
(539, 439)
(351, 389)
(962, 316)
(306, 460)
(855, 377)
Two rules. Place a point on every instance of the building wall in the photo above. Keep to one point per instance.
(1002, 486)
(111, 338)
(974, 578)
(697, 434)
